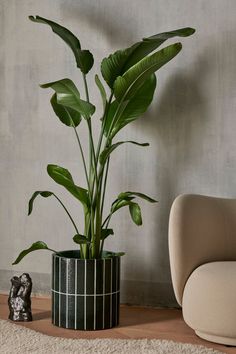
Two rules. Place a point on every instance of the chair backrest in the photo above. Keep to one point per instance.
(201, 230)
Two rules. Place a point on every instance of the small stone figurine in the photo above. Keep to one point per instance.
(19, 301)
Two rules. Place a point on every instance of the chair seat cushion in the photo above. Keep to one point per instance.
(209, 300)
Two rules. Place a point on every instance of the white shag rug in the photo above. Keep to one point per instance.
(17, 339)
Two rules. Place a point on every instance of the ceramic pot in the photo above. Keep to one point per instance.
(85, 293)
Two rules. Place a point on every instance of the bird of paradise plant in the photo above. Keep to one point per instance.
(131, 80)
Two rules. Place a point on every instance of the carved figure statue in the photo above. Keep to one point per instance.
(19, 301)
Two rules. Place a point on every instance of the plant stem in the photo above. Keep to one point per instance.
(121, 107)
(82, 154)
(50, 249)
(103, 126)
(107, 223)
(92, 169)
(76, 229)
(97, 236)
(86, 87)
(101, 248)
(108, 217)
(82, 252)
(105, 184)
(100, 174)
(83, 248)
(92, 149)
(94, 161)
(99, 179)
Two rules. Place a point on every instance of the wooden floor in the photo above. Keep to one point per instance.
(135, 322)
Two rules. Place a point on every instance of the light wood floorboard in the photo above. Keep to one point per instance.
(135, 322)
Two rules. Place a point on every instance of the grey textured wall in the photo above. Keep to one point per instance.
(191, 127)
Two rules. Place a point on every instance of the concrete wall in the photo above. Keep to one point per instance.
(191, 127)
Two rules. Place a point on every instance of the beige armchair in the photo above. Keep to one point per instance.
(202, 246)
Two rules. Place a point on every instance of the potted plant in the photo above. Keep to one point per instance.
(86, 281)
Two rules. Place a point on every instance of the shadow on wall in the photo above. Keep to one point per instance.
(182, 113)
(102, 20)
(177, 124)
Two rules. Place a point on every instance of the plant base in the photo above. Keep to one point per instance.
(85, 293)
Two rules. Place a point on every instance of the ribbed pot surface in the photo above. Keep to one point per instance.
(85, 293)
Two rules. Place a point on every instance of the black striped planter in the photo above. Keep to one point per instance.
(85, 293)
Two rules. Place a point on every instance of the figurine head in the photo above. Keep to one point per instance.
(25, 279)
(15, 281)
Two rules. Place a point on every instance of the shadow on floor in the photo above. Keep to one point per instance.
(41, 315)
(136, 316)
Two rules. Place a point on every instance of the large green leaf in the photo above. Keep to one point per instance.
(128, 195)
(84, 59)
(118, 203)
(153, 42)
(105, 233)
(113, 66)
(119, 254)
(39, 245)
(135, 213)
(107, 151)
(63, 177)
(108, 254)
(68, 95)
(44, 194)
(127, 85)
(125, 199)
(120, 115)
(120, 61)
(67, 116)
(81, 239)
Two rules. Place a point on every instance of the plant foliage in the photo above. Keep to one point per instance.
(130, 76)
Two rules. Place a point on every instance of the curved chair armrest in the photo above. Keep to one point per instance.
(201, 230)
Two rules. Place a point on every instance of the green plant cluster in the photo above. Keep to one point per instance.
(130, 76)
